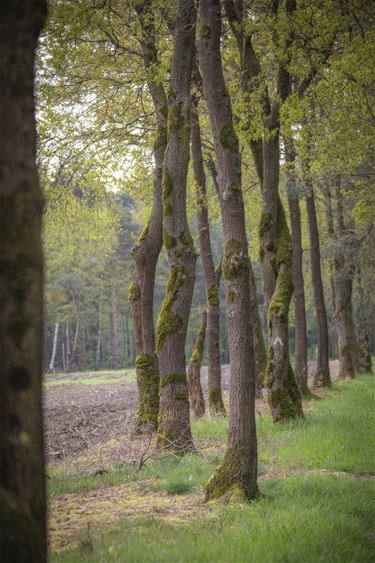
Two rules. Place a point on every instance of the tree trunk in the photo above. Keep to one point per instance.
(67, 346)
(237, 474)
(362, 327)
(194, 370)
(259, 346)
(147, 249)
(51, 365)
(322, 377)
(99, 335)
(300, 366)
(215, 398)
(22, 484)
(346, 368)
(174, 415)
(114, 329)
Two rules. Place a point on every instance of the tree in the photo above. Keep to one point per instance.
(237, 474)
(22, 486)
(174, 417)
(211, 280)
(148, 246)
(276, 247)
(292, 191)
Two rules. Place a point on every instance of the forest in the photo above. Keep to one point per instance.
(187, 281)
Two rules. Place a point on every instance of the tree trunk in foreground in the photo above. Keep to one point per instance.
(215, 397)
(194, 370)
(22, 487)
(147, 249)
(174, 416)
(237, 474)
(322, 377)
(300, 366)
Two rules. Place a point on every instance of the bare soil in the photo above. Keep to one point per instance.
(79, 417)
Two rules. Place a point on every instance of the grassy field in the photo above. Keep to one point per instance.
(316, 501)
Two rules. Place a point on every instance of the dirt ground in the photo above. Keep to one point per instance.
(79, 417)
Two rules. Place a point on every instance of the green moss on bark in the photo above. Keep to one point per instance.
(235, 259)
(228, 138)
(169, 241)
(148, 390)
(204, 31)
(160, 137)
(172, 378)
(265, 223)
(134, 293)
(215, 401)
(170, 322)
(187, 240)
(176, 119)
(230, 296)
(233, 479)
(235, 187)
(167, 208)
(213, 295)
(144, 233)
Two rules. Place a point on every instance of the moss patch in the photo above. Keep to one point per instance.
(235, 259)
(228, 138)
(213, 295)
(169, 322)
(134, 293)
(215, 401)
(172, 378)
(148, 390)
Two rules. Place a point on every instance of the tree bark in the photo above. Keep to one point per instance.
(322, 377)
(284, 396)
(346, 368)
(237, 474)
(174, 415)
(114, 329)
(260, 353)
(99, 334)
(22, 484)
(194, 370)
(147, 249)
(362, 326)
(215, 397)
(300, 366)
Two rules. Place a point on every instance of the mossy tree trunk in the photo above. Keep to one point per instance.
(174, 416)
(260, 352)
(276, 250)
(194, 369)
(215, 398)
(259, 345)
(347, 247)
(147, 249)
(322, 377)
(300, 365)
(346, 368)
(362, 325)
(237, 474)
(22, 484)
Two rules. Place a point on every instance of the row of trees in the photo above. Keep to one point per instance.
(265, 93)
(259, 94)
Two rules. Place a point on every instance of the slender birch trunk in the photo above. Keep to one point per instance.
(51, 365)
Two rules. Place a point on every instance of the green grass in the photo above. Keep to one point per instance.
(97, 378)
(298, 519)
(306, 517)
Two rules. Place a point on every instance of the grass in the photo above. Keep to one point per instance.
(297, 519)
(323, 512)
(97, 378)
